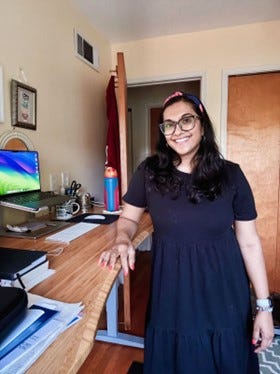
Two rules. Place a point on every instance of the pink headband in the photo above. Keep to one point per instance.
(177, 93)
(193, 98)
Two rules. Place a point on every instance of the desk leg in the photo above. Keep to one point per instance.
(126, 302)
(111, 335)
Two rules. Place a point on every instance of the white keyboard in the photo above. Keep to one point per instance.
(72, 232)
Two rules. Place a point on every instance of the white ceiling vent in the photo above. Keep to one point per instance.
(86, 51)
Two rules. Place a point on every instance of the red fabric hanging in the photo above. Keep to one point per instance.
(113, 137)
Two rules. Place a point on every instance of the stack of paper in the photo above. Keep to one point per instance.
(45, 320)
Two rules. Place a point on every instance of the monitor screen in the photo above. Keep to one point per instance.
(19, 171)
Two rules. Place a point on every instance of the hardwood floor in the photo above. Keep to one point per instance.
(116, 359)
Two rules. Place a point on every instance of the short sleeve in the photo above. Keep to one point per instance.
(243, 202)
(136, 193)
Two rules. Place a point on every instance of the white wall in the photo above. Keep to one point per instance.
(211, 52)
(37, 36)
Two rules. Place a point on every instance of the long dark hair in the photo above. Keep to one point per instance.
(208, 174)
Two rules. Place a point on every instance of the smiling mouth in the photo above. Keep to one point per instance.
(181, 140)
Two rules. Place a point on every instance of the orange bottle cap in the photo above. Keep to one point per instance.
(110, 172)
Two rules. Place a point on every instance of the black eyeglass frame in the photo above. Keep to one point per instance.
(177, 123)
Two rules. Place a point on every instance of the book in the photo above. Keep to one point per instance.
(16, 262)
(31, 278)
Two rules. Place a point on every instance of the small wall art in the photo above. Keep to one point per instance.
(1, 96)
(23, 105)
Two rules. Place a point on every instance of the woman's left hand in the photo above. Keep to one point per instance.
(263, 331)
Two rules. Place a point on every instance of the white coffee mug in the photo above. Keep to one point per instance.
(67, 210)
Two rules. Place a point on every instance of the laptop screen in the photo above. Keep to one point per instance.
(19, 172)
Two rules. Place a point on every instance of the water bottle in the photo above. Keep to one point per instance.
(111, 189)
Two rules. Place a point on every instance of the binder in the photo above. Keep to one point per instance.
(21, 334)
(16, 262)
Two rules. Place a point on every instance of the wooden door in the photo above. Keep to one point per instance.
(253, 141)
(154, 121)
(122, 111)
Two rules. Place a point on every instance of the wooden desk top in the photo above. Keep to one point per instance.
(78, 278)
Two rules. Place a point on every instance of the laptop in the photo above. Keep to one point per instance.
(20, 185)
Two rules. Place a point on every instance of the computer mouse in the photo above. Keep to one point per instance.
(96, 216)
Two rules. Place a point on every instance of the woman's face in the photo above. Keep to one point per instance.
(184, 143)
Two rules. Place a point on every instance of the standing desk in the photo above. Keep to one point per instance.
(78, 278)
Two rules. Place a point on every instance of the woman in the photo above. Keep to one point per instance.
(205, 251)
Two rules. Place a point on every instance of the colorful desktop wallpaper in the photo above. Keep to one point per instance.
(19, 171)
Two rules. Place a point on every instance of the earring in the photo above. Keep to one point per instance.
(166, 145)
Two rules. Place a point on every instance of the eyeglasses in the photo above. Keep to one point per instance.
(186, 123)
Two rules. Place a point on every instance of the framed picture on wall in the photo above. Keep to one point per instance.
(1, 96)
(23, 105)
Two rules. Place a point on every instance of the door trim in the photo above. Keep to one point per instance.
(200, 76)
(224, 103)
(182, 77)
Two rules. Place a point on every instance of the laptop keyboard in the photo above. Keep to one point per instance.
(33, 203)
(29, 197)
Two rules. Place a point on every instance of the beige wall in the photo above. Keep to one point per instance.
(37, 36)
(209, 52)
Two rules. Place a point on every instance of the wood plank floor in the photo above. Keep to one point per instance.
(116, 359)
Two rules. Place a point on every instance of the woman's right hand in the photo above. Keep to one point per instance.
(127, 226)
(123, 250)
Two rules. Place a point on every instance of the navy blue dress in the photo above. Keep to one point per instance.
(199, 317)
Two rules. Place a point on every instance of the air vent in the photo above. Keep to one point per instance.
(86, 51)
